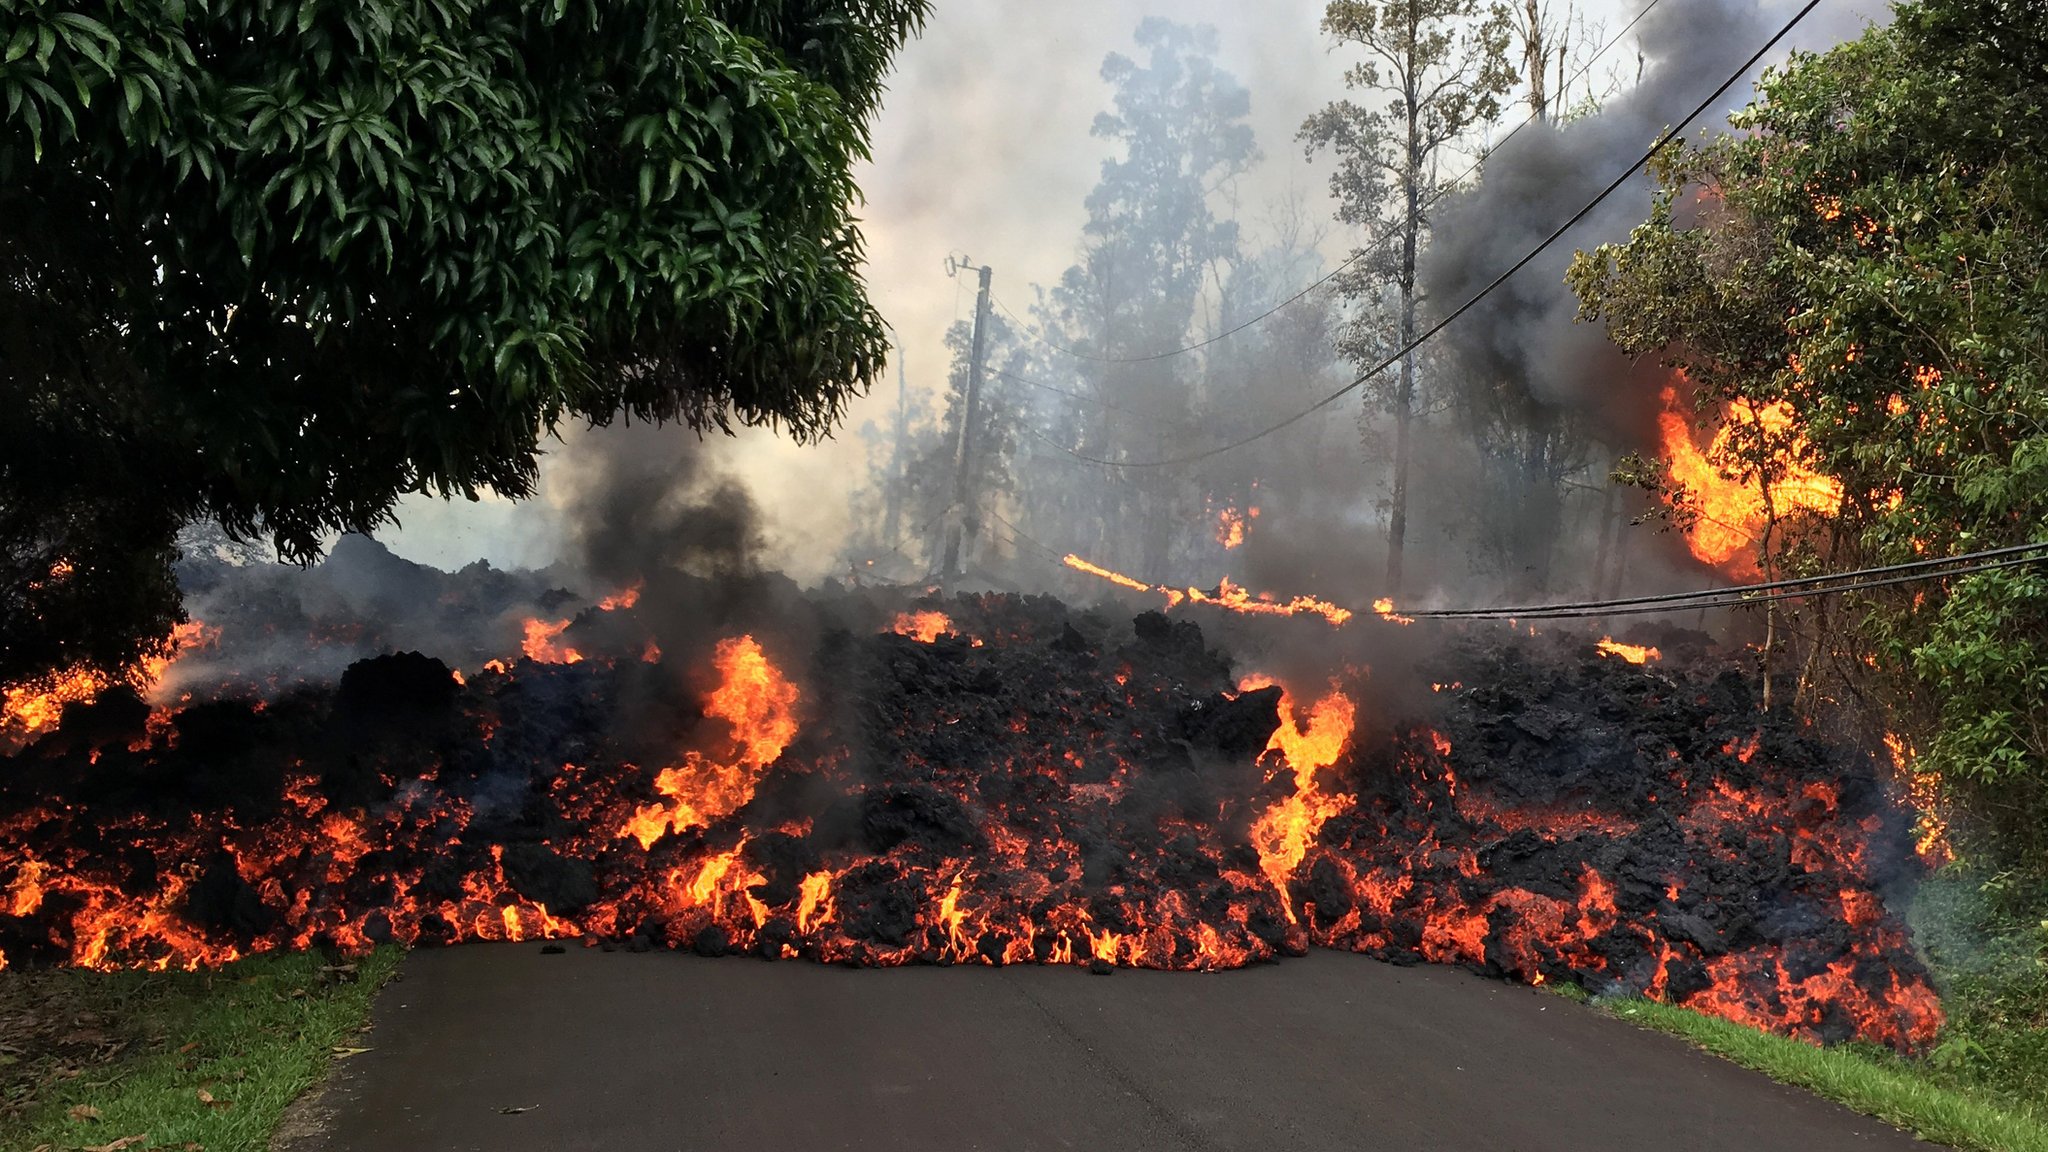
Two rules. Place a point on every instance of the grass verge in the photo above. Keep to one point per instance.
(1984, 1086)
(1899, 1092)
(175, 1060)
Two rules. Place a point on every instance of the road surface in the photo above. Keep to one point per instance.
(506, 1049)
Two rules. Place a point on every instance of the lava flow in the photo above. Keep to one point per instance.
(1021, 785)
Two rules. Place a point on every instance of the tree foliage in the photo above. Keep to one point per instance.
(1153, 246)
(1873, 252)
(276, 263)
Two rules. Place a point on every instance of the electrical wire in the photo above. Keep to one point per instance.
(1681, 598)
(1430, 332)
(1354, 258)
(1062, 391)
(1732, 597)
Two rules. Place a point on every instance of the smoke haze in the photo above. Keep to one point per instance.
(983, 150)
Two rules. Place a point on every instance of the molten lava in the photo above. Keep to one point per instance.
(1076, 791)
(1733, 512)
(30, 709)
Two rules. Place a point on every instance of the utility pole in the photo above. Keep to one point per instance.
(892, 518)
(965, 519)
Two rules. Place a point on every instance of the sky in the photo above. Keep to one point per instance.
(982, 150)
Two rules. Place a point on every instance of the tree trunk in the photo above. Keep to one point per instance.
(1535, 56)
(1404, 396)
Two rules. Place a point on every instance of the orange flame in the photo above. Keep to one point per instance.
(1229, 596)
(33, 707)
(1385, 607)
(1284, 832)
(1930, 830)
(624, 598)
(1733, 512)
(1117, 578)
(923, 627)
(1633, 653)
(1231, 526)
(540, 646)
(760, 705)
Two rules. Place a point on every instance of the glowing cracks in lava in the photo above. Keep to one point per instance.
(1732, 509)
(1633, 653)
(1284, 833)
(760, 705)
(33, 707)
(1228, 596)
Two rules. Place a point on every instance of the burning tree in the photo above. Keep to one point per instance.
(1856, 285)
(278, 264)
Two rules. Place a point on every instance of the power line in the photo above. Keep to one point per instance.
(1354, 258)
(1064, 392)
(2011, 555)
(1497, 281)
(1745, 600)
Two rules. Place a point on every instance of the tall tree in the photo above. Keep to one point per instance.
(277, 263)
(1439, 69)
(1153, 245)
(1870, 258)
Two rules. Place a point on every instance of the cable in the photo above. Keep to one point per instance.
(1746, 600)
(1218, 338)
(1684, 600)
(1497, 281)
(1064, 392)
(1354, 258)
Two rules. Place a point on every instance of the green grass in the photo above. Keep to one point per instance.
(252, 1036)
(1987, 940)
(1877, 1084)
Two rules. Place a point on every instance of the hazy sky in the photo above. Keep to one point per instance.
(983, 149)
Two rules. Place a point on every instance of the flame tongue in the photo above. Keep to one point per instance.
(1284, 833)
(1733, 512)
(760, 705)
(1228, 596)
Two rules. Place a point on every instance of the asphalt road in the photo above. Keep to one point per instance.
(502, 1048)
